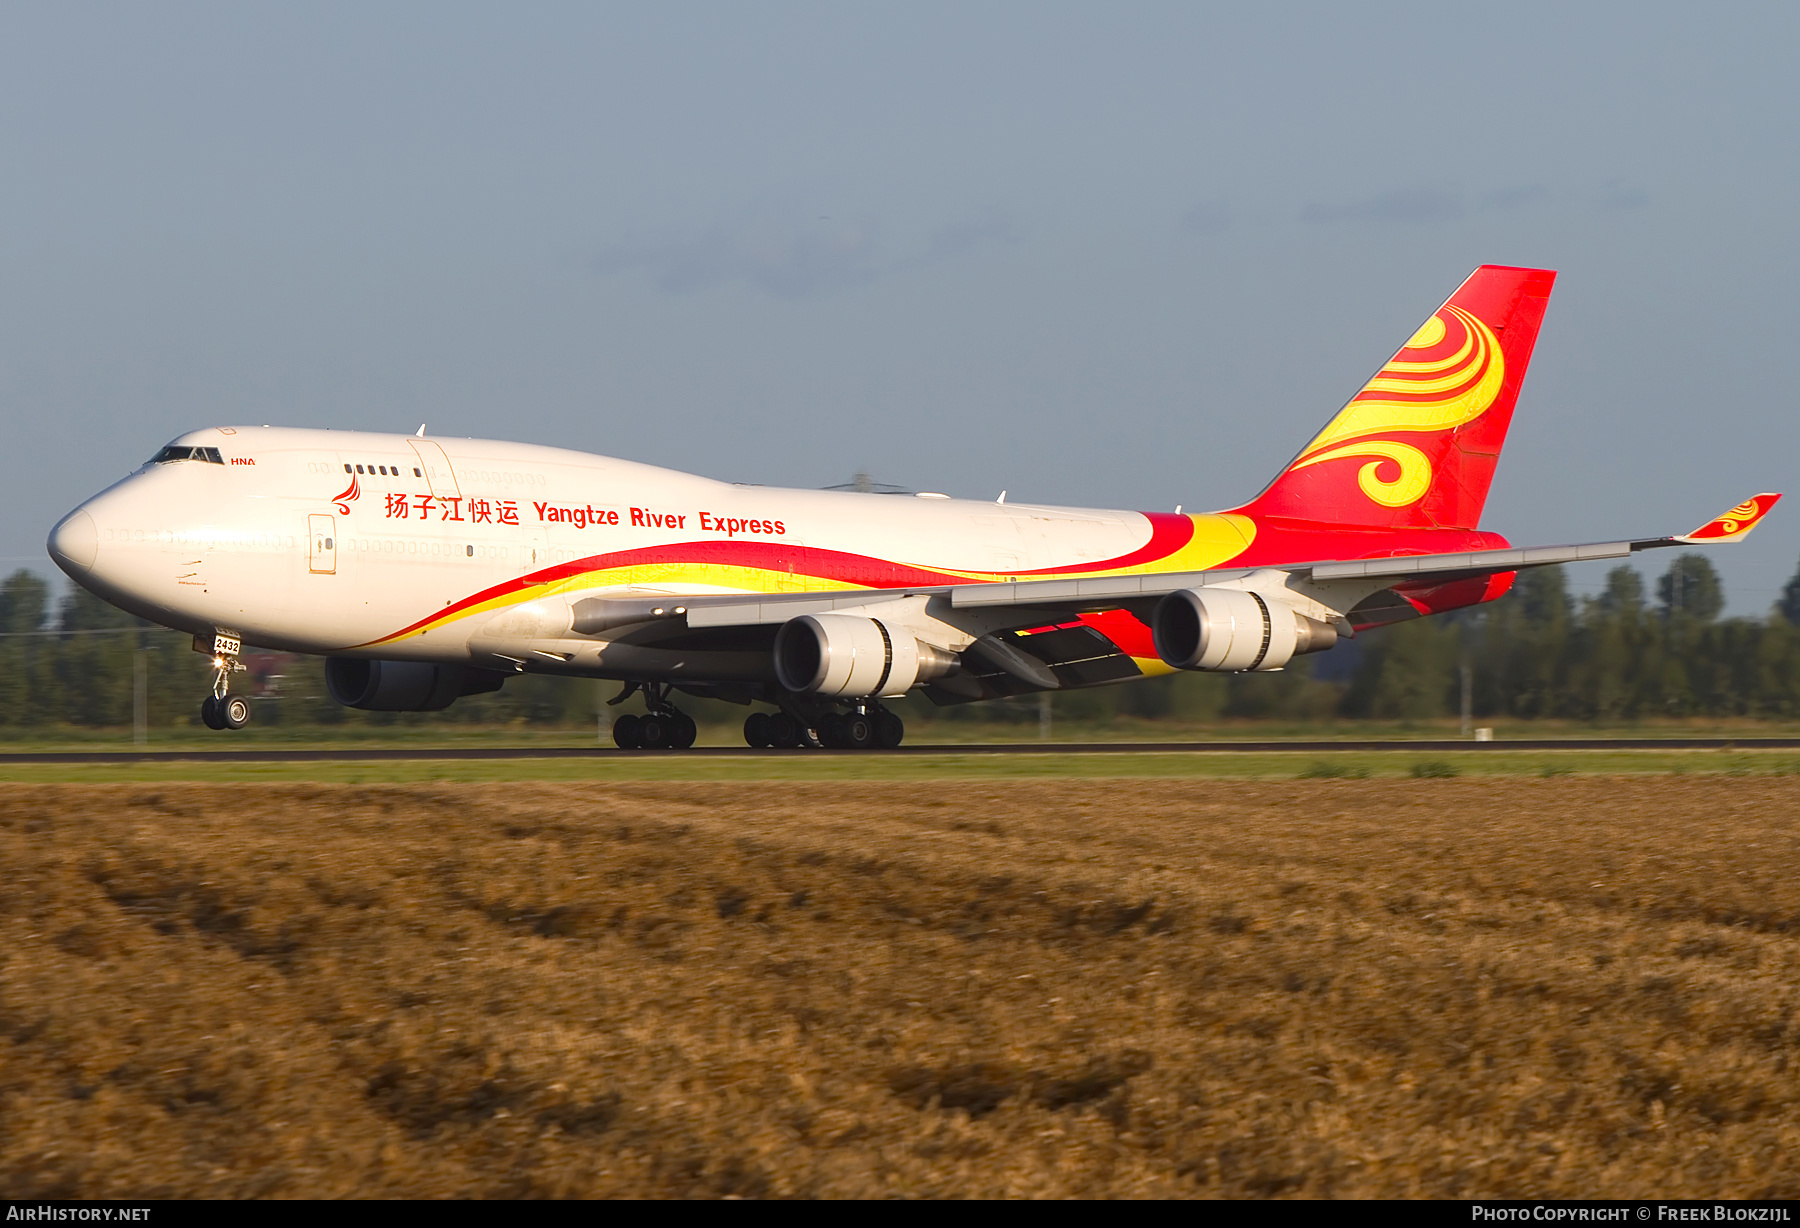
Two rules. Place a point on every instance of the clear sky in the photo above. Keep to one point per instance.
(1119, 255)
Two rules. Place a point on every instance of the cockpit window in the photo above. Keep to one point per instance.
(181, 452)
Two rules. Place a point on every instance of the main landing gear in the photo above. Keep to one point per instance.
(664, 727)
(866, 726)
(221, 709)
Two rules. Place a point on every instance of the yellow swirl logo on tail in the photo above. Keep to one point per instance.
(1416, 391)
(1409, 487)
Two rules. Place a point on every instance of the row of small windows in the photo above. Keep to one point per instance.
(389, 546)
(169, 537)
(275, 541)
(391, 471)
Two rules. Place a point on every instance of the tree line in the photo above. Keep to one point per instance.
(86, 664)
(1538, 652)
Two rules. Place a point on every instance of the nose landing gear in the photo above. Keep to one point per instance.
(221, 709)
(228, 712)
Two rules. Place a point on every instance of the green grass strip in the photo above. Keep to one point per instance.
(1324, 769)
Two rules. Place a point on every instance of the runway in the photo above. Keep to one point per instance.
(396, 754)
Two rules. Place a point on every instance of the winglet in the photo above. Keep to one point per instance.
(1734, 525)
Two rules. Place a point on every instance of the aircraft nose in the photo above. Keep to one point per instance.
(74, 543)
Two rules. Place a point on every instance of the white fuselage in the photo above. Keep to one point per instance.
(389, 546)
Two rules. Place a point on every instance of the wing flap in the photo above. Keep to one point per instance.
(733, 611)
(1479, 562)
(1094, 592)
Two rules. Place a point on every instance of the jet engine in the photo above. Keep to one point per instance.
(847, 654)
(1228, 630)
(405, 686)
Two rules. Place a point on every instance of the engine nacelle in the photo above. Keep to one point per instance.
(847, 654)
(1229, 630)
(404, 686)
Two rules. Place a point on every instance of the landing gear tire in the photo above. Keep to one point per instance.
(209, 713)
(666, 730)
(233, 711)
(756, 730)
(890, 730)
(655, 732)
(854, 731)
(785, 732)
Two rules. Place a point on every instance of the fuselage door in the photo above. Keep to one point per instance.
(437, 469)
(321, 549)
(790, 568)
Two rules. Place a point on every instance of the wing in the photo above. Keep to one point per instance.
(1112, 592)
(1033, 635)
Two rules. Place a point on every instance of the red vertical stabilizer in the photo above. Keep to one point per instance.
(1416, 448)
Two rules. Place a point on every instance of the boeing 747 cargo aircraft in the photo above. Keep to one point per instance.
(427, 569)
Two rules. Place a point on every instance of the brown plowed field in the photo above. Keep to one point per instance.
(1563, 987)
